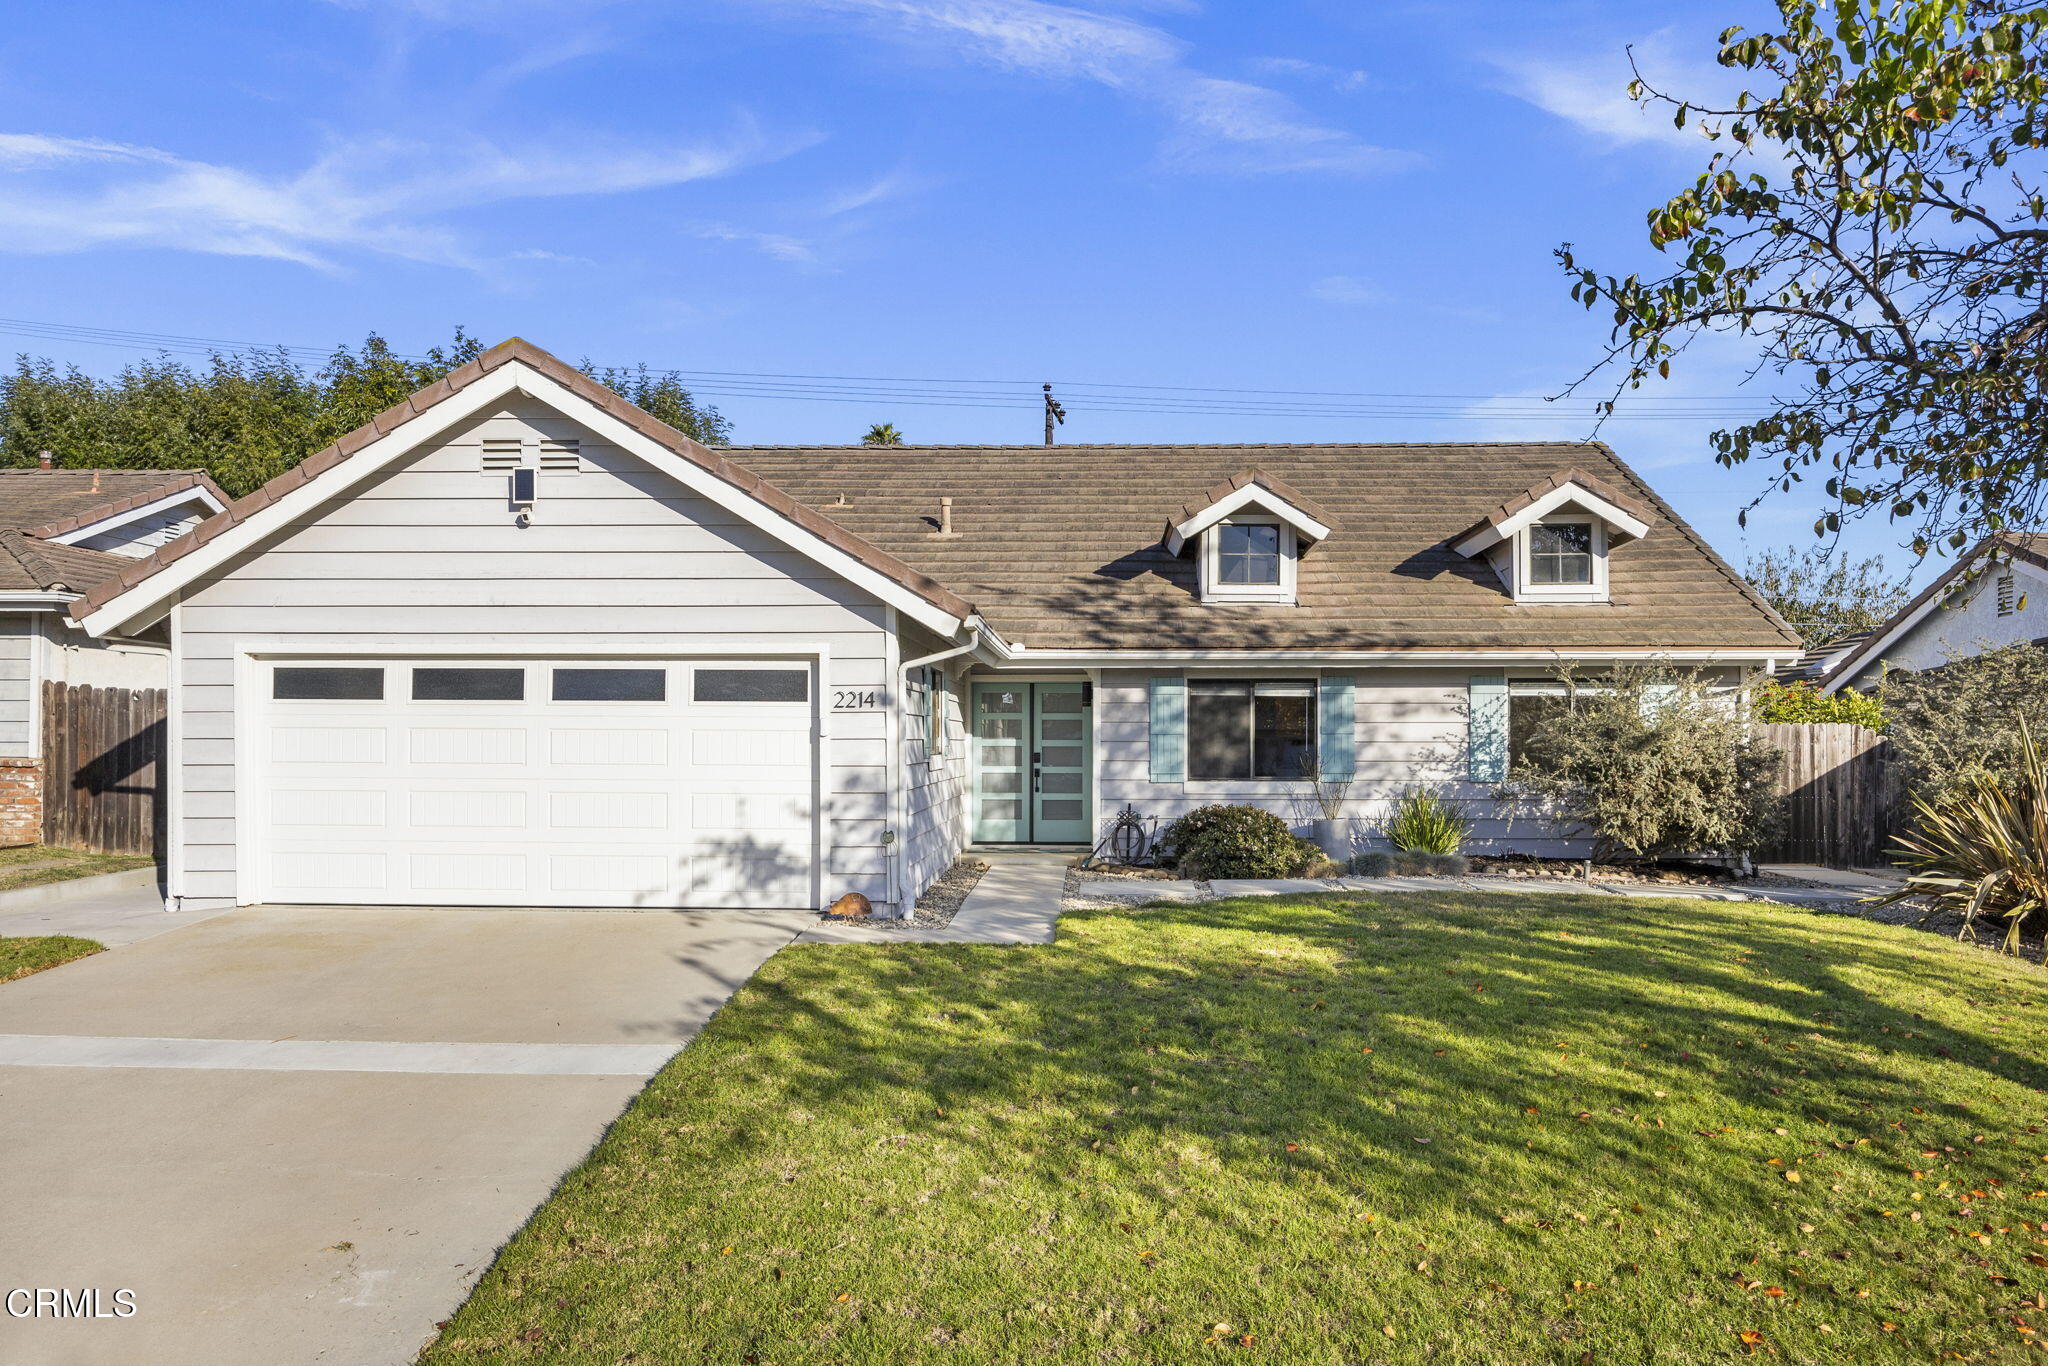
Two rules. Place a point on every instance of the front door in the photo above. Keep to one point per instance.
(1032, 743)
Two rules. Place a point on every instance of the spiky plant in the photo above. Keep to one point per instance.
(1984, 852)
(1427, 823)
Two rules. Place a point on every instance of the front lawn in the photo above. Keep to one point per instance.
(1336, 1129)
(32, 953)
(32, 865)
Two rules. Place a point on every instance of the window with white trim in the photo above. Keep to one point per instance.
(1248, 558)
(1562, 558)
(1241, 729)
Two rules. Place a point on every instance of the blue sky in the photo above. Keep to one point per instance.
(1333, 196)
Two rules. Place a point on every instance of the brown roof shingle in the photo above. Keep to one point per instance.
(52, 502)
(1060, 546)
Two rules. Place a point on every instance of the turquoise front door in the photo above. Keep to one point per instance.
(1032, 743)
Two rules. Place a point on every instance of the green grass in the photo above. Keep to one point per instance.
(32, 953)
(33, 865)
(1442, 1128)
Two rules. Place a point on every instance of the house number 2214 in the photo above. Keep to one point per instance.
(855, 699)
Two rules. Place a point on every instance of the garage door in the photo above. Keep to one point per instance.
(557, 782)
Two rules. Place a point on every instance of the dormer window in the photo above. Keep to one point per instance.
(1551, 544)
(1247, 535)
(1248, 559)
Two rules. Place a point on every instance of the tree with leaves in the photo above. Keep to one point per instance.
(1823, 594)
(882, 434)
(246, 417)
(1872, 219)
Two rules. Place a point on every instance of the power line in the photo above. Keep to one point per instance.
(1104, 396)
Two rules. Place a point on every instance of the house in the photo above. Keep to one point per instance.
(518, 643)
(1820, 660)
(1996, 594)
(61, 532)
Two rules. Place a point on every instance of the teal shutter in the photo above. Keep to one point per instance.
(1169, 729)
(1337, 733)
(1488, 741)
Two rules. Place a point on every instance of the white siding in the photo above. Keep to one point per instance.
(1411, 730)
(17, 675)
(1970, 625)
(427, 558)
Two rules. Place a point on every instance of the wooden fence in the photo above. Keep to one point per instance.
(1841, 801)
(103, 770)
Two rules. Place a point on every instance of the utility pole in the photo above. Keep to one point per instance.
(1053, 414)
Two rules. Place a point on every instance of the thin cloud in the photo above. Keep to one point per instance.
(1220, 124)
(377, 197)
(778, 245)
(1336, 77)
(1590, 90)
(1346, 289)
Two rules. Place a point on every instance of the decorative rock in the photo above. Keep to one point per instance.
(853, 903)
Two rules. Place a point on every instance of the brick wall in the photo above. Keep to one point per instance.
(21, 801)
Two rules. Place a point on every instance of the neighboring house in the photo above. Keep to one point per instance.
(61, 532)
(518, 643)
(1818, 662)
(1996, 594)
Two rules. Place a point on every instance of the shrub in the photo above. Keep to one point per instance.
(1407, 863)
(1426, 823)
(1650, 762)
(1803, 702)
(1960, 723)
(1236, 841)
(1985, 852)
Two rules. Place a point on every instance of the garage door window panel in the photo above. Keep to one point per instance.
(468, 685)
(610, 685)
(296, 683)
(752, 685)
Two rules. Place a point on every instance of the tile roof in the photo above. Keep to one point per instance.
(52, 502)
(1243, 479)
(1059, 546)
(577, 382)
(30, 565)
(128, 494)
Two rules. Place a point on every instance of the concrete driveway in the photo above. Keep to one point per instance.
(298, 1135)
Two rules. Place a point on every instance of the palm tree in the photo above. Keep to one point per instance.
(882, 434)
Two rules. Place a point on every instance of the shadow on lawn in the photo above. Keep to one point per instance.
(1244, 1026)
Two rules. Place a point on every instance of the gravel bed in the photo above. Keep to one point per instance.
(936, 908)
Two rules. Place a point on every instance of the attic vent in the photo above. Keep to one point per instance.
(501, 456)
(561, 457)
(2007, 592)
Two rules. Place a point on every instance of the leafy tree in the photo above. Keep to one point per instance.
(882, 434)
(1958, 725)
(1825, 596)
(246, 417)
(1651, 762)
(1872, 219)
(1803, 702)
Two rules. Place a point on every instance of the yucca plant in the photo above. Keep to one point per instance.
(1426, 823)
(1984, 852)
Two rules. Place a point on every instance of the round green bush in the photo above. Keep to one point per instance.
(1236, 841)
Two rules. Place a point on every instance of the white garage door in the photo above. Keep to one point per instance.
(558, 782)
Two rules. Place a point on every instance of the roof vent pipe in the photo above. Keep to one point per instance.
(945, 516)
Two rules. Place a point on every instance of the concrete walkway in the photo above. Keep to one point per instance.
(299, 1135)
(121, 908)
(1017, 901)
